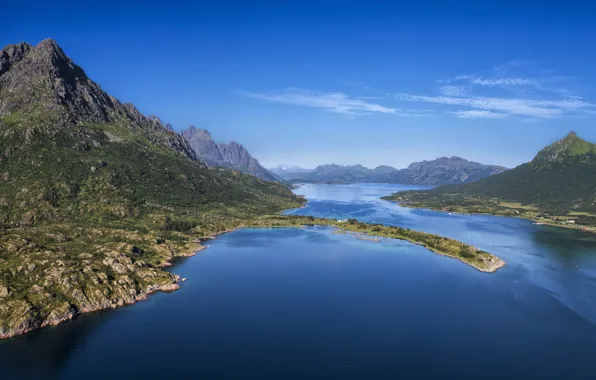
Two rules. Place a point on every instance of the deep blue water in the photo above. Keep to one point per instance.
(307, 303)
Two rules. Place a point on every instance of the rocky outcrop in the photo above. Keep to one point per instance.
(232, 155)
(49, 286)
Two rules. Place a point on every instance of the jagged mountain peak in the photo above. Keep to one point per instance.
(43, 79)
(48, 43)
(42, 84)
(12, 54)
(51, 47)
(193, 132)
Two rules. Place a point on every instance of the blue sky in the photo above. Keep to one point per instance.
(307, 83)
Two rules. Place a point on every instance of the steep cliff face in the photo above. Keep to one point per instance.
(204, 147)
(232, 155)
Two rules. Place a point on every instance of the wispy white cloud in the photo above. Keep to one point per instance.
(452, 90)
(474, 114)
(371, 97)
(335, 102)
(546, 109)
(503, 92)
(503, 81)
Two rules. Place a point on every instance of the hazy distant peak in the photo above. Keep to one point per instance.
(232, 155)
(193, 132)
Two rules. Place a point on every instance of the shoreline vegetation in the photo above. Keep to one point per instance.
(51, 274)
(496, 207)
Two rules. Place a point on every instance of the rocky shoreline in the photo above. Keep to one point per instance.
(59, 316)
(61, 290)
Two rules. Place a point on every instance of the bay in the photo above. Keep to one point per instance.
(308, 303)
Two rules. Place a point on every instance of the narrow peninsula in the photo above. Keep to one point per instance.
(467, 253)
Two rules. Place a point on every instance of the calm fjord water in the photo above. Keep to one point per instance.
(306, 303)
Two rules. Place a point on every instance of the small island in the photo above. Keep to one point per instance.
(469, 254)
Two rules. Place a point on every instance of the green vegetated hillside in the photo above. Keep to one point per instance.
(560, 180)
(95, 197)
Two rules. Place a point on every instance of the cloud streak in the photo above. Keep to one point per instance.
(545, 109)
(452, 90)
(496, 82)
(475, 114)
(335, 102)
(503, 92)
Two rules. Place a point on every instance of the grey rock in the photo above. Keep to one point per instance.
(232, 155)
(28, 219)
(447, 170)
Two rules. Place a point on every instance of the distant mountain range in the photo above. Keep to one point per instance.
(444, 170)
(560, 179)
(232, 155)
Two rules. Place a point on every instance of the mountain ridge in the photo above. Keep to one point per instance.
(232, 155)
(443, 170)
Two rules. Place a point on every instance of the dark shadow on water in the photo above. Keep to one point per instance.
(42, 353)
(569, 246)
(492, 224)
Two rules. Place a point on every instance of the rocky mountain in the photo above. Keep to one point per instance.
(444, 170)
(95, 197)
(42, 81)
(232, 155)
(561, 178)
(204, 147)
